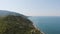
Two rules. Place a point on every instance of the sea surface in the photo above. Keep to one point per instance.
(47, 24)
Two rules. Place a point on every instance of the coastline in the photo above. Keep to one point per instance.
(38, 28)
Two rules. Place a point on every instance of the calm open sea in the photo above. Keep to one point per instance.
(47, 24)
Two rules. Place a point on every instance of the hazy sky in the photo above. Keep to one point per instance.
(32, 7)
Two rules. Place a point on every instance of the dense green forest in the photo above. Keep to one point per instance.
(17, 24)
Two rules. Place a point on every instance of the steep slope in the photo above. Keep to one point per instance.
(15, 23)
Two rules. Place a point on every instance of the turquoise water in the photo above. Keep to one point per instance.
(49, 25)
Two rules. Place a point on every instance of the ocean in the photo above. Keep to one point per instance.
(47, 24)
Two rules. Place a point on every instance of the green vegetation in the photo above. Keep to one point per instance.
(17, 25)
